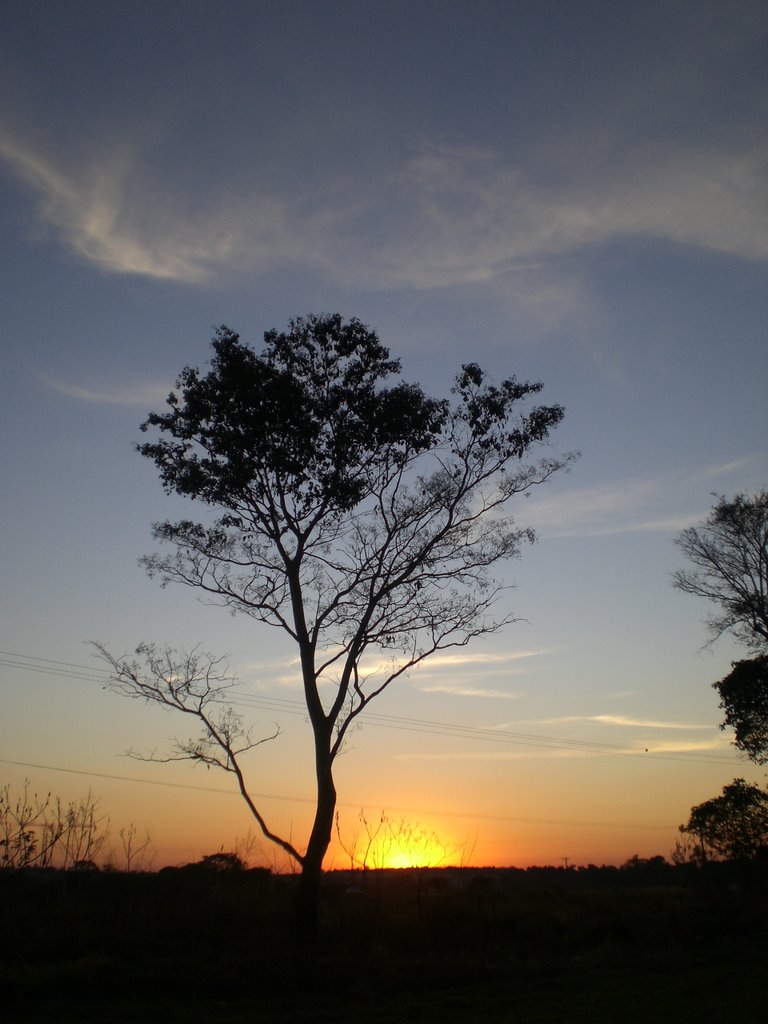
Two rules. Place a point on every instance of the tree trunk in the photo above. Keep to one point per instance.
(308, 895)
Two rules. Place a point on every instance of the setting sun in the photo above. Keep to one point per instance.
(384, 842)
(429, 856)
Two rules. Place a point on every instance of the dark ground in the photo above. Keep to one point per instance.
(645, 944)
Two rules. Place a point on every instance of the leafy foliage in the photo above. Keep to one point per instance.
(744, 698)
(306, 420)
(355, 515)
(734, 825)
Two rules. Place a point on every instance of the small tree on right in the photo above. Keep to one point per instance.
(729, 554)
(733, 826)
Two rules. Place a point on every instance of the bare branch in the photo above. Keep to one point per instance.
(196, 684)
(729, 553)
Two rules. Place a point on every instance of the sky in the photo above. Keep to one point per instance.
(569, 192)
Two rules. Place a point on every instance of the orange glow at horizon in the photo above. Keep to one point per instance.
(589, 815)
(431, 855)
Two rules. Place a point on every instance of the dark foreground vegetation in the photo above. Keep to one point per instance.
(649, 942)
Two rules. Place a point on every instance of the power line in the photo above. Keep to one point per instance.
(87, 673)
(353, 805)
(294, 707)
(499, 736)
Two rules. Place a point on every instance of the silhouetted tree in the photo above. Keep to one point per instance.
(359, 516)
(730, 554)
(222, 861)
(136, 853)
(733, 826)
(729, 551)
(744, 698)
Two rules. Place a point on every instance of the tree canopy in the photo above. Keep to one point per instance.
(355, 515)
(744, 698)
(733, 826)
(729, 553)
(349, 509)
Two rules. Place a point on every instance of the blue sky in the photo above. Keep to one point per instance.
(569, 192)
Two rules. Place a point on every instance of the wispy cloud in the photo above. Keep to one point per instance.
(447, 673)
(445, 216)
(114, 212)
(615, 507)
(622, 721)
(626, 721)
(692, 196)
(682, 746)
(457, 215)
(500, 755)
(145, 395)
(285, 673)
(688, 746)
(464, 658)
(457, 690)
(478, 214)
(725, 468)
(624, 506)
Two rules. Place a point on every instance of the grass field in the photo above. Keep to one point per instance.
(644, 944)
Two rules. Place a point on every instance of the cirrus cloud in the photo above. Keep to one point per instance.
(444, 216)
